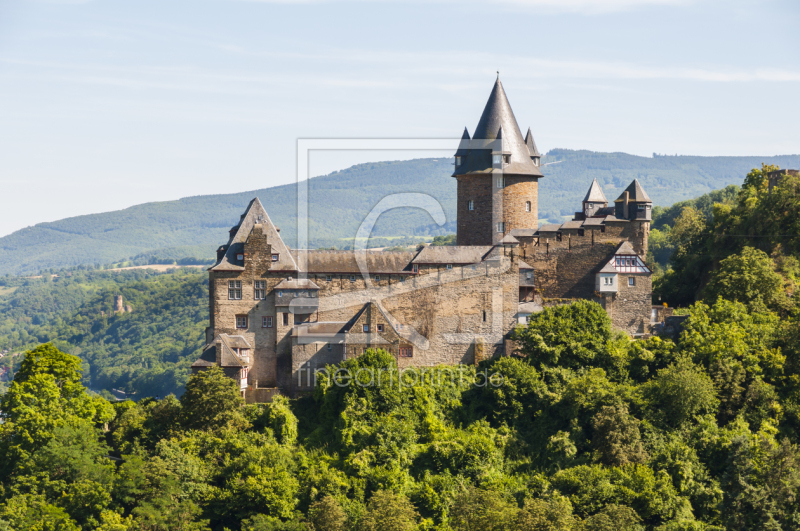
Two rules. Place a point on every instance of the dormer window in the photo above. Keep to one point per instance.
(497, 160)
(240, 257)
(458, 161)
(589, 205)
(415, 268)
(275, 257)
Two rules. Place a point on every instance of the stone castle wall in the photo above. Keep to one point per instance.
(493, 205)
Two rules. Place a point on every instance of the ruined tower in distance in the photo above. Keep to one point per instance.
(498, 176)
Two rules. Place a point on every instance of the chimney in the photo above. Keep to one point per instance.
(625, 205)
(218, 351)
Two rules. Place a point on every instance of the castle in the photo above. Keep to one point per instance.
(278, 314)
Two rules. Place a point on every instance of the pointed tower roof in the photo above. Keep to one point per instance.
(496, 115)
(463, 146)
(531, 144)
(636, 193)
(254, 215)
(595, 194)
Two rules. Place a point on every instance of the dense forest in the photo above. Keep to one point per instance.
(586, 430)
(732, 243)
(146, 352)
(194, 227)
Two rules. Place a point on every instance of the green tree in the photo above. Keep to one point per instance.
(750, 278)
(680, 392)
(388, 511)
(616, 437)
(570, 336)
(212, 401)
(482, 510)
(327, 515)
(553, 514)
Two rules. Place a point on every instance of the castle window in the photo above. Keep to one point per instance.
(241, 321)
(449, 266)
(528, 275)
(527, 206)
(275, 257)
(352, 278)
(484, 316)
(471, 205)
(588, 205)
(377, 278)
(497, 159)
(366, 328)
(501, 226)
(500, 182)
(329, 346)
(328, 278)
(399, 326)
(234, 289)
(631, 281)
(266, 322)
(458, 161)
(285, 319)
(640, 207)
(380, 328)
(260, 289)
(406, 352)
(280, 294)
(415, 268)
(240, 257)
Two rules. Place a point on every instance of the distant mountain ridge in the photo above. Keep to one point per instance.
(338, 203)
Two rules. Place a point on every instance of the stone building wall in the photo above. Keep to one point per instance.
(493, 205)
(631, 305)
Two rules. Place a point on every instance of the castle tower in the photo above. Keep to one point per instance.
(594, 201)
(498, 176)
(633, 203)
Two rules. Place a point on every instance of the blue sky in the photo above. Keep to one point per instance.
(109, 103)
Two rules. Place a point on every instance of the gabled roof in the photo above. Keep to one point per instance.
(228, 357)
(255, 214)
(625, 248)
(378, 262)
(595, 194)
(572, 224)
(636, 193)
(551, 227)
(294, 283)
(531, 144)
(451, 254)
(523, 265)
(496, 115)
(522, 233)
(608, 268)
(509, 240)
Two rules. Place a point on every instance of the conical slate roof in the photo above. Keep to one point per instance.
(463, 146)
(595, 194)
(531, 144)
(636, 193)
(498, 114)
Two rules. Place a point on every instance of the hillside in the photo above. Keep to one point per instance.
(147, 351)
(195, 226)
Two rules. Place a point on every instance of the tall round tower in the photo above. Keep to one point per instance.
(498, 176)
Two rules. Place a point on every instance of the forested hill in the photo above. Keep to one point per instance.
(195, 226)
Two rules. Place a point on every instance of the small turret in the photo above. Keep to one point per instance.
(633, 203)
(594, 201)
(463, 149)
(535, 156)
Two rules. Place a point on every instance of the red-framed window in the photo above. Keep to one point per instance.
(406, 352)
(241, 321)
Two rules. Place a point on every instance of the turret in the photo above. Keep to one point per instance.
(498, 174)
(633, 203)
(594, 201)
